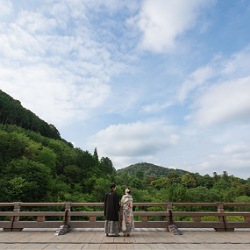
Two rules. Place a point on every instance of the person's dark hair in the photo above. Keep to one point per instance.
(113, 185)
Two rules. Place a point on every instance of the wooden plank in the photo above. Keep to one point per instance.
(140, 236)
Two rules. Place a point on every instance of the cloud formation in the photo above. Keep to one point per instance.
(59, 73)
(163, 22)
(224, 103)
(138, 80)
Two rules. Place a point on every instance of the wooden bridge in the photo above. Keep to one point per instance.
(158, 225)
(94, 238)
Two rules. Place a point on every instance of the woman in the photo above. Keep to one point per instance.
(127, 223)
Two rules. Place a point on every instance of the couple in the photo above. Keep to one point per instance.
(113, 223)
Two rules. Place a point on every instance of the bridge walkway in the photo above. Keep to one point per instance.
(140, 239)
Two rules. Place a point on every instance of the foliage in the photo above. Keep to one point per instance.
(36, 164)
(149, 170)
(37, 168)
(12, 112)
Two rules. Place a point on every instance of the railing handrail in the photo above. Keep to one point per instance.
(136, 203)
(167, 215)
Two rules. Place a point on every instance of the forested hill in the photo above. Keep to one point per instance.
(150, 170)
(13, 113)
(37, 165)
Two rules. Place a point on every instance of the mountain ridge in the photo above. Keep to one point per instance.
(150, 170)
(13, 113)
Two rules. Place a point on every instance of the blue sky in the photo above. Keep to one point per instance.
(159, 81)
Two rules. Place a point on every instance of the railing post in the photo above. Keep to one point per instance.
(16, 209)
(65, 227)
(92, 218)
(169, 205)
(196, 218)
(220, 209)
(247, 218)
(170, 214)
(170, 225)
(67, 218)
(15, 218)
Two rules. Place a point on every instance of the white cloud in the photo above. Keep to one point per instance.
(225, 102)
(140, 140)
(195, 80)
(156, 107)
(238, 154)
(238, 166)
(217, 92)
(218, 69)
(5, 8)
(237, 65)
(236, 149)
(56, 96)
(215, 148)
(60, 73)
(36, 23)
(162, 22)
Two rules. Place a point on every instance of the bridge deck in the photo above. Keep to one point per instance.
(140, 239)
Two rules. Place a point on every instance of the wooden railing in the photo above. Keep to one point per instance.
(68, 215)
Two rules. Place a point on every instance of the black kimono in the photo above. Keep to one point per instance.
(111, 212)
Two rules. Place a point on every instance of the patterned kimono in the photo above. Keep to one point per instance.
(127, 223)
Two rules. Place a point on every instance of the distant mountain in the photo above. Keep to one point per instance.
(13, 113)
(150, 170)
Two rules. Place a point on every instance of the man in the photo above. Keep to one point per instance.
(111, 212)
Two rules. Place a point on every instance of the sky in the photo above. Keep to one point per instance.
(160, 81)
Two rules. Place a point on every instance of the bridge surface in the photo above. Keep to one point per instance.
(140, 239)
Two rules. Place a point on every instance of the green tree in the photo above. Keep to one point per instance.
(177, 193)
(243, 189)
(47, 157)
(162, 183)
(139, 174)
(174, 177)
(12, 146)
(73, 174)
(204, 181)
(96, 157)
(188, 180)
(33, 176)
(202, 194)
(106, 166)
(12, 189)
(100, 188)
(221, 184)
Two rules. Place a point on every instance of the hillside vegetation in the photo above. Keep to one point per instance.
(12, 112)
(36, 164)
(149, 170)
